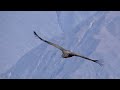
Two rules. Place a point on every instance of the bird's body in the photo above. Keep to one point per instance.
(67, 53)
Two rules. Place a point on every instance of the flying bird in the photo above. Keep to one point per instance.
(67, 53)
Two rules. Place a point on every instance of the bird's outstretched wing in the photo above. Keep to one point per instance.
(55, 45)
(100, 62)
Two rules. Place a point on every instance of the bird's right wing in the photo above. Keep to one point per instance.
(55, 45)
(96, 61)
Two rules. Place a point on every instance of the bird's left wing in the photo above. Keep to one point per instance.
(55, 45)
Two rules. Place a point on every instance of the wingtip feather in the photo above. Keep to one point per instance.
(100, 62)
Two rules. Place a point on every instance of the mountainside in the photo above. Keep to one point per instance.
(92, 34)
(16, 33)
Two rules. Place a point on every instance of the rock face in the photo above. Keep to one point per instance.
(93, 34)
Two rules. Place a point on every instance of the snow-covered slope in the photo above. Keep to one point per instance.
(16, 33)
(93, 34)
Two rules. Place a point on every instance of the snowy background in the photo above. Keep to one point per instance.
(94, 34)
